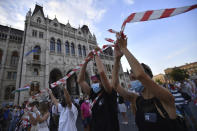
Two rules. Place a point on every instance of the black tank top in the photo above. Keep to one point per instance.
(149, 119)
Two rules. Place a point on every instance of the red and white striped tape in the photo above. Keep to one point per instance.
(155, 14)
(112, 31)
(110, 40)
(63, 80)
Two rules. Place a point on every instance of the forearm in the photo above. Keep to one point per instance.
(115, 79)
(99, 64)
(104, 79)
(81, 79)
(125, 94)
(134, 64)
(54, 100)
(81, 76)
(68, 99)
(42, 119)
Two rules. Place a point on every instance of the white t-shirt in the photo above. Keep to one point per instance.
(68, 117)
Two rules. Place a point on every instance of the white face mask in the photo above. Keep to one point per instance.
(96, 87)
(87, 101)
(137, 86)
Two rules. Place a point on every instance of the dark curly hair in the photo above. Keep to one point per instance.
(147, 70)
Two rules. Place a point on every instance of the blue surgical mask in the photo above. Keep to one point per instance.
(137, 86)
(96, 87)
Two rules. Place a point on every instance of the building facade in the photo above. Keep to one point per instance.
(191, 69)
(160, 77)
(10, 45)
(60, 48)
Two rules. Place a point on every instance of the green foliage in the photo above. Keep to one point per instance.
(178, 74)
(158, 81)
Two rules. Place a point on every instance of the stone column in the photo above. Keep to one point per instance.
(47, 50)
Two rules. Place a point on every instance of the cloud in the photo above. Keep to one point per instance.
(177, 53)
(78, 12)
(129, 1)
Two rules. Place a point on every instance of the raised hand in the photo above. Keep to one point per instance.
(90, 55)
(117, 52)
(122, 42)
(97, 49)
(49, 90)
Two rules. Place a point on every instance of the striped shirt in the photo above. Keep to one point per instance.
(178, 98)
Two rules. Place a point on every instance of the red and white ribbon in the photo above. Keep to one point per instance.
(156, 14)
(112, 31)
(63, 80)
(110, 40)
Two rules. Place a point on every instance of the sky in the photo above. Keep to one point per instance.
(160, 43)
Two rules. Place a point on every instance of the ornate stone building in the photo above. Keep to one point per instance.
(10, 44)
(60, 48)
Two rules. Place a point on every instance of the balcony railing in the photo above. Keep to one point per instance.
(35, 62)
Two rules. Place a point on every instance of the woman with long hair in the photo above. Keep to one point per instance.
(43, 117)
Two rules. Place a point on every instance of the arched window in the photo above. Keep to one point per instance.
(7, 93)
(59, 49)
(37, 51)
(72, 48)
(36, 73)
(1, 55)
(79, 50)
(67, 48)
(39, 20)
(84, 50)
(52, 45)
(14, 58)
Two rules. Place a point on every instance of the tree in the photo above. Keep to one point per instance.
(158, 81)
(178, 74)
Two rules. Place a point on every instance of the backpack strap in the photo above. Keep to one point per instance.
(159, 105)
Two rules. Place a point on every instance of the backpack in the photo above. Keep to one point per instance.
(179, 122)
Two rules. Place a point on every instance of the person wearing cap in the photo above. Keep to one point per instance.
(154, 106)
(103, 97)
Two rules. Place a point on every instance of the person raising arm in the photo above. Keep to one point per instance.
(104, 80)
(68, 111)
(130, 96)
(154, 105)
(103, 98)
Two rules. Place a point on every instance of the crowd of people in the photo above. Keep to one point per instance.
(155, 107)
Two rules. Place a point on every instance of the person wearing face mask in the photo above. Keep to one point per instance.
(153, 106)
(103, 97)
(86, 114)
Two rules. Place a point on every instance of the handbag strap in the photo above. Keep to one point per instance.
(159, 105)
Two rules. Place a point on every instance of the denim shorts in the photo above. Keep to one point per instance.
(86, 121)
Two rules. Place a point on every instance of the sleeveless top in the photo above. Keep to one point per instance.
(149, 119)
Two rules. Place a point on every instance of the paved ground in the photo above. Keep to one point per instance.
(130, 127)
